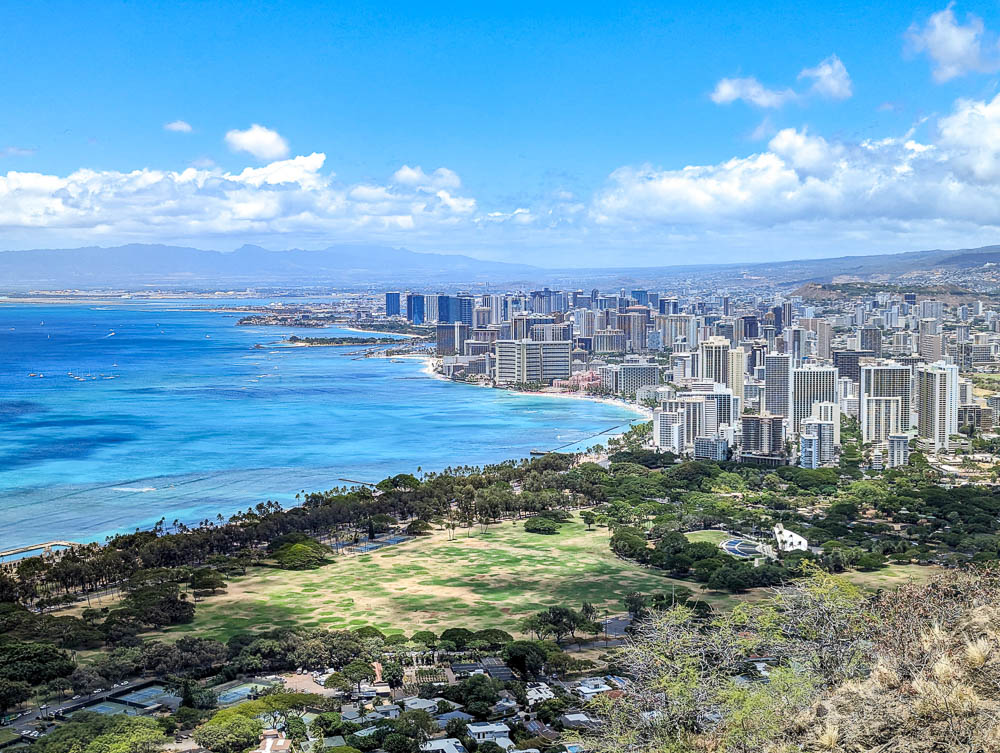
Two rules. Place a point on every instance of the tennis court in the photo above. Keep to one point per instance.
(109, 707)
(397, 539)
(147, 695)
(240, 692)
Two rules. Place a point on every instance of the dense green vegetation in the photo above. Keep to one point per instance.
(528, 513)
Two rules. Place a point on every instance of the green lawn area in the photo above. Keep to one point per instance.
(712, 537)
(7, 735)
(892, 575)
(491, 579)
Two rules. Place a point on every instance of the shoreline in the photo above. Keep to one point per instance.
(374, 331)
(639, 410)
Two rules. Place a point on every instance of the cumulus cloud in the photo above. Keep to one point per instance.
(293, 196)
(178, 126)
(936, 185)
(956, 49)
(751, 91)
(971, 135)
(803, 179)
(415, 176)
(830, 79)
(261, 142)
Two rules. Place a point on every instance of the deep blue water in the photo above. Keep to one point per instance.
(176, 415)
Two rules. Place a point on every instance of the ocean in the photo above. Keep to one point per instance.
(115, 415)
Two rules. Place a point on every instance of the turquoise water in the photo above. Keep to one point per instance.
(147, 411)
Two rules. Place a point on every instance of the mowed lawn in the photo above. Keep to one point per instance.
(709, 535)
(491, 579)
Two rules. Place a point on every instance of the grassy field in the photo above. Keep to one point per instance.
(712, 537)
(491, 579)
(7, 735)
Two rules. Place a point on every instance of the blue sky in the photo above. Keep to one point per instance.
(573, 133)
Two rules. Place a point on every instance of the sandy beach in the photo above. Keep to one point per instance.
(429, 370)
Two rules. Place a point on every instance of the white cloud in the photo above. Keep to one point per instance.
(801, 193)
(971, 134)
(16, 151)
(415, 176)
(956, 49)
(749, 90)
(805, 181)
(830, 79)
(261, 142)
(178, 126)
(284, 197)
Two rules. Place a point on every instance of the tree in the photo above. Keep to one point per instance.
(13, 693)
(358, 671)
(228, 733)
(588, 518)
(392, 673)
(541, 525)
(425, 637)
(337, 681)
(207, 580)
(458, 636)
(635, 603)
(525, 658)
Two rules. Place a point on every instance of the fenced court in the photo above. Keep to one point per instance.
(110, 707)
(148, 695)
(241, 692)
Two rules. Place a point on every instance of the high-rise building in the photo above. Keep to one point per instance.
(627, 378)
(451, 339)
(816, 445)
(609, 341)
(668, 431)
(881, 383)
(763, 434)
(415, 308)
(392, 304)
(713, 358)
(482, 317)
(562, 331)
(830, 412)
(848, 363)
(711, 448)
(736, 372)
(880, 417)
(937, 405)
(897, 450)
(811, 385)
(778, 384)
(870, 340)
(532, 362)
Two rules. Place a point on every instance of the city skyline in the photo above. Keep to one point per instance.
(567, 138)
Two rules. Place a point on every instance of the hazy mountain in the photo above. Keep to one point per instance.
(138, 265)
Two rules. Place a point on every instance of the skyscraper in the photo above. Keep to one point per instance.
(415, 308)
(937, 405)
(392, 304)
(714, 360)
(870, 339)
(811, 385)
(736, 372)
(884, 397)
(778, 384)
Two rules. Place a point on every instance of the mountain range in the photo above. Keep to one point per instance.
(137, 266)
